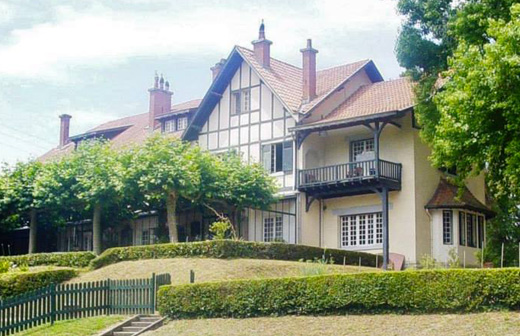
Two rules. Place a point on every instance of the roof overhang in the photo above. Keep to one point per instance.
(335, 124)
(105, 132)
(213, 95)
(488, 212)
(173, 114)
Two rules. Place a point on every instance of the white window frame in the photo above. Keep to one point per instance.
(464, 230)
(361, 231)
(170, 126)
(358, 147)
(182, 123)
(240, 101)
(270, 161)
(447, 227)
(273, 228)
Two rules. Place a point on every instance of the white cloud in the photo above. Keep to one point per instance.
(102, 36)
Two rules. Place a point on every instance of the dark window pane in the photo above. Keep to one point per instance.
(279, 155)
(287, 156)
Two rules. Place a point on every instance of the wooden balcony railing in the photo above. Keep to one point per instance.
(352, 171)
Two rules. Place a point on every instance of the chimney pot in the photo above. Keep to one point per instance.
(64, 129)
(160, 100)
(309, 71)
(262, 48)
(215, 70)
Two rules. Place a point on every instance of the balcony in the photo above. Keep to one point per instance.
(354, 178)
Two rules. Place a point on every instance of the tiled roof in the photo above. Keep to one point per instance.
(375, 98)
(446, 196)
(188, 105)
(286, 79)
(134, 130)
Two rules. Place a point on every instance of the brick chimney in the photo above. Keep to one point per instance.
(309, 71)
(160, 100)
(64, 129)
(262, 48)
(215, 70)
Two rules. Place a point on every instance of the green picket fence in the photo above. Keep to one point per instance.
(71, 301)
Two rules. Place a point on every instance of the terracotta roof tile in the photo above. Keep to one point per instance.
(286, 79)
(375, 98)
(445, 196)
(136, 131)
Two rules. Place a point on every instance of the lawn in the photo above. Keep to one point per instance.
(207, 269)
(79, 327)
(493, 323)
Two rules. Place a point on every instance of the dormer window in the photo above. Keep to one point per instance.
(182, 123)
(169, 126)
(240, 101)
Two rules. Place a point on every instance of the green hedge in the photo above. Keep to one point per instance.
(20, 282)
(230, 249)
(409, 291)
(65, 259)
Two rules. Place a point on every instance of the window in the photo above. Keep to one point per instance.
(481, 231)
(462, 228)
(240, 101)
(145, 237)
(471, 229)
(358, 230)
(359, 147)
(182, 123)
(169, 126)
(278, 157)
(447, 227)
(472, 232)
(245, 101)
(273, 229)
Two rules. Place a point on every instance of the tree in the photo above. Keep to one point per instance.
(472, 123)
(88, 179)
(18, 203)
(239, 185)
(164, 169)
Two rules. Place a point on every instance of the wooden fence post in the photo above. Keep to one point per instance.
(108, 304)
(152, 294)
(53, 303)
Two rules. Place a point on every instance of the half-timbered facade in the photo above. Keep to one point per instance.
(342, 144)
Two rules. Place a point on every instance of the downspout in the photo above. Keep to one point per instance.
(431, 231)
(320, 224)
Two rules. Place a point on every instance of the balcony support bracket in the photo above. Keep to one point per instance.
(308, 201)
(300, 137)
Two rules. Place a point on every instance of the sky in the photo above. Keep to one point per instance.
(95, 59)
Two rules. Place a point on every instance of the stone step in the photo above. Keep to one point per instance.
(123, 333)
(140, 324)
(149, 318)
(132, 329)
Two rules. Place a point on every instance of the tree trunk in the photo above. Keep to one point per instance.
(171, 208)
(96, 230)
(33, 231)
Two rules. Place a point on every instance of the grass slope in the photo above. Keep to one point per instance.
(496, 323)
(80, 327)
(207, 269)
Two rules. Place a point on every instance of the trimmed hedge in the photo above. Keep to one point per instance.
(409, 291)
(18, 283)
(65, 259)
(228, 249)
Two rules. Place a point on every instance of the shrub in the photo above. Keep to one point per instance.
(227, 249)
(4, 266)
(18, 283)
(65, 259)
(415, 291)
